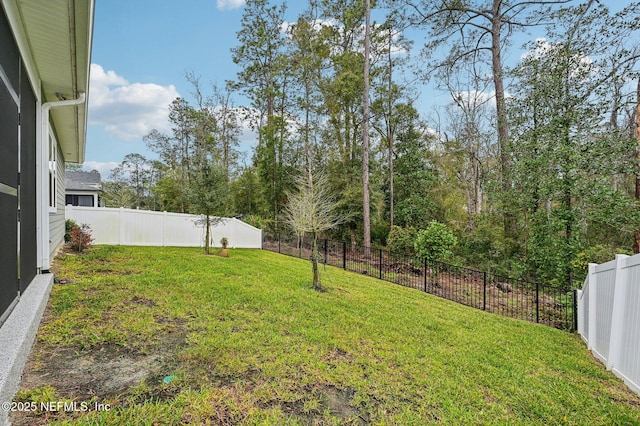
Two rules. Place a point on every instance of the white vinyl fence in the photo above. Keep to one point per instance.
(148, 228)
(609, 316)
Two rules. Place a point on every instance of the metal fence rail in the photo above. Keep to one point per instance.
(514, 298)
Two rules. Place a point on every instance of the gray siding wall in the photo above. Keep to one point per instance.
(56, 220)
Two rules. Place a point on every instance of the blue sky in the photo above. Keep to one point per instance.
(141, 52)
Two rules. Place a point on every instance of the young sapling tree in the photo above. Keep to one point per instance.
(311, 210)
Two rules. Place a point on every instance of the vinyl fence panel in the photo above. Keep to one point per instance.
(628, 365)
(609, 316)
(182, 230)
(142, 228)
(604, 291)
(149, 228)
(104, 223)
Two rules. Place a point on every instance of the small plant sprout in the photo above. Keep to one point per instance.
(224, 242)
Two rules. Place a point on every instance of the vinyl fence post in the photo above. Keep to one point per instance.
(121, 235)
(484, 290)
(344, 255)
(537, 302)
(164, 229)
(592, 324)
(575, 310)
(621, 281)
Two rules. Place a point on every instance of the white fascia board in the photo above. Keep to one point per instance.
(15, 21)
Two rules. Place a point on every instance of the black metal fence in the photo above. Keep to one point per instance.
(555, 307)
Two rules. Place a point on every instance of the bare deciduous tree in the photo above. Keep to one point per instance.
(311, 210)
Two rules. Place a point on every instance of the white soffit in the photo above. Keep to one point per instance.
(59, 36)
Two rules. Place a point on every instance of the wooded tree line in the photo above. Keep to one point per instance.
(533, 163)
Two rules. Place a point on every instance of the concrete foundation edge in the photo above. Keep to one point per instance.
(17, 335)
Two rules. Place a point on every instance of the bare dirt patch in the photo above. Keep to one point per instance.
(90, 377)
(105, 372)
(328, 399)
(102, 372)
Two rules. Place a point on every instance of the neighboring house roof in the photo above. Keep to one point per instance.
(83, 181)
(57, 36)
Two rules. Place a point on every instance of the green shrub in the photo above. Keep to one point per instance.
(379, 233)
(68, 226)
(401, 240)
(435, 243)
(486, 248)
(595, 254)
(81, 238)
(257, 221)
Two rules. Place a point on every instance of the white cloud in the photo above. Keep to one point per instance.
(477, 99)
(229, 4)
(474, 98)
(582, 66)
(398, 42)
(318, 24)
(247, 119)
(103, 167)
(128, 110)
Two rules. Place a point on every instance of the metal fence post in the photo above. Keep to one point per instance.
(484, 290)
(425, 274)
(445, 273)
(537, 302)
(344, 255)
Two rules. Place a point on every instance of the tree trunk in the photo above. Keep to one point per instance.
(501, 112)
(390, 131)
(365, 132)
(636, 243)
(314, 264)
(391, 195)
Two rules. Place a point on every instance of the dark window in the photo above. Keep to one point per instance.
(28, 241)
(10, 63)
(79, 200)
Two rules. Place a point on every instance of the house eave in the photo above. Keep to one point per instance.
(55, 39)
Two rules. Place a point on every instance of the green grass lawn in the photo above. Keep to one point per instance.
(245, 340)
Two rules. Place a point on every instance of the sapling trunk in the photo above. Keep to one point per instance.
(207, 244)
(314, 264)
